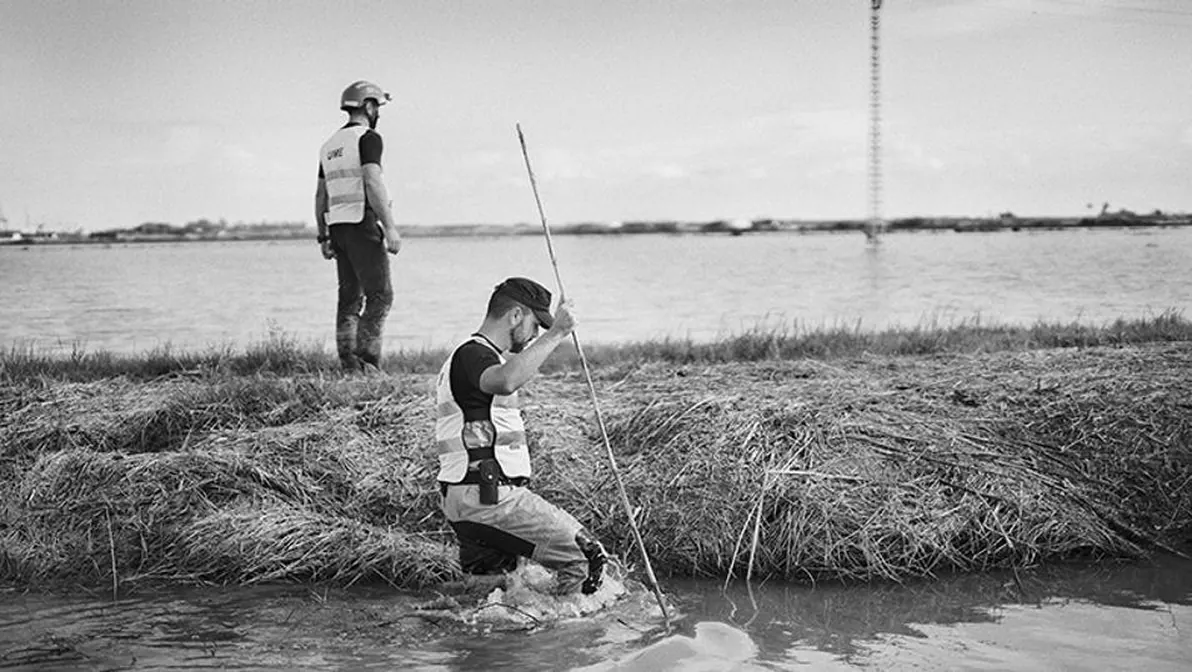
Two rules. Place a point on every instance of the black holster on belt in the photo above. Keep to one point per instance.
(490, 478)
(485, 471)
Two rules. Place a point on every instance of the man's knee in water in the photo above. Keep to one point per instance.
(597, 559)
(478, 559)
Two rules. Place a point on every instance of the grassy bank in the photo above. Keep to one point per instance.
(827, 454)
(283, 354)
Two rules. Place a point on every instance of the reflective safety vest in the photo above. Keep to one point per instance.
(505, 433)
(344, 176)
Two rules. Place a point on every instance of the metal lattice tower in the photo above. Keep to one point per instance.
(875, 224)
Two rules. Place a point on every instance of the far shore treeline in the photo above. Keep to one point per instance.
(208, 230)
(830, 454)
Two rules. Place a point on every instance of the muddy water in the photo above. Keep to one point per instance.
(1105, 617)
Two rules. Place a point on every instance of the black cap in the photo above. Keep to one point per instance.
(531, 295)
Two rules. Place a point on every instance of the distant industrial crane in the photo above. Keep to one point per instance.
(875, 225)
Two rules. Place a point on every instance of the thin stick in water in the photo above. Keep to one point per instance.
(112, 555)
(757, 524)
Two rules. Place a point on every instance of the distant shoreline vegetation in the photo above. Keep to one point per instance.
(206, 230)
(285, 354)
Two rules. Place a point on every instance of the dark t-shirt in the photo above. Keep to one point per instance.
(471, 360)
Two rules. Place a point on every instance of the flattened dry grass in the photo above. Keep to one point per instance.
(891, 468)
(256, 543)
(875, 467)
(227, 480)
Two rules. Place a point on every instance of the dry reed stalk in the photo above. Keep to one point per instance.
(112, 553)
(757, 524)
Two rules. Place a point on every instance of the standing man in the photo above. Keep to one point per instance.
(356, 226)
(484, 463)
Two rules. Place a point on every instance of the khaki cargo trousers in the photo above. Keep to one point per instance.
(493, 536)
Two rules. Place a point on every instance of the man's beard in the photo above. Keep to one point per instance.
(516, 346)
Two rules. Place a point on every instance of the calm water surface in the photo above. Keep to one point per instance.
(132, 298)
(1131, 617)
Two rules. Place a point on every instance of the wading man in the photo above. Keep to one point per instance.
(356, 226)
(484, 463)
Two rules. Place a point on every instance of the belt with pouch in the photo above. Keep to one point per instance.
(474, 474)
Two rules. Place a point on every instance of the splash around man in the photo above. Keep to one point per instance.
(484, 462)
(356, 226)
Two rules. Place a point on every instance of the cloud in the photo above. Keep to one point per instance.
(667, 171)
(1186, 137)
(981, 16)
(764, 147)
(184, 144)
(757, 173)
(239, 159)
(483, 160)
(564, 164)
(902, 151)
(825, 170)
(831, 124)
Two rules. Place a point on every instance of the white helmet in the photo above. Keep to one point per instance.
(358, 92)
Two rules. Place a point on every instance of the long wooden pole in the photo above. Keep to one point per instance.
(612, 460)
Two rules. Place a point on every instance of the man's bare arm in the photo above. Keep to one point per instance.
(321, 207)
(378, 198)
(321, 219)
(519, 368)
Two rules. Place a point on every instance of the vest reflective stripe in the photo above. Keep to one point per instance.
(446, 446)
(510, 441)
(346, 172)
(346, 198)
(344, 176)
(451, 427)
(455, 443)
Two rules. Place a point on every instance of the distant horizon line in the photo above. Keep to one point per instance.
(8, 225)
(160, 232)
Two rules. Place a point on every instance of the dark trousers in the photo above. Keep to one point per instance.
(365, 292)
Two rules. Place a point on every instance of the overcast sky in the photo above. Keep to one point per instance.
(115, 113)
